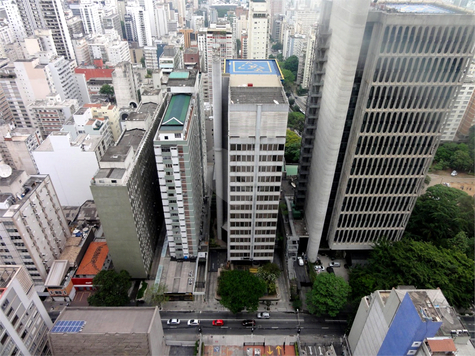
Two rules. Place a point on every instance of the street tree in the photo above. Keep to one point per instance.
(296, 121)
(293, 143)
(157, 294)
(112, 289)
(292, 64)
(269, 274)
(416, 263)
(328, 296)
(240, 290)
(108, 90)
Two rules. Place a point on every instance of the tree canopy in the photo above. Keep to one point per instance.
(277, 46)
(329, 295)
(112, 289)
(416, 263)
(269, 274)
(454, 156)
(240, 290)
(440, 214)
(296, 121)
(107, 89)
(293, 143)
(156, 295)
(292, 64)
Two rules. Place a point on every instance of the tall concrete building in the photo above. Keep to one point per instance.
(258, 30)
(382, 85)
(127, 196)
(33, 228)
(138, 25)
(249, 154)
(25, 321)
(178, 152)
(125, 84)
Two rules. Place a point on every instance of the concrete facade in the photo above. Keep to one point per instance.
(360, 173)
(128, 200)
(256, 132)
(258, 30)
(25, 321)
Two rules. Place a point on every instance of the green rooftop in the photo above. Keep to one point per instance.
(291, 169)
(175, 116)
(179, 75)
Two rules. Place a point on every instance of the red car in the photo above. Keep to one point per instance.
(218, 322)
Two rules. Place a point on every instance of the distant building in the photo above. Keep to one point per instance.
(25, 321)
(137, 329)
(170, 59)
(258, 30)
(125, 85)
(397, 321)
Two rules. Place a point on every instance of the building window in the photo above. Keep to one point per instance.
(411, 352)
(416, 344)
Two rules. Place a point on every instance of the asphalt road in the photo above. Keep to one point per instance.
(278, 324)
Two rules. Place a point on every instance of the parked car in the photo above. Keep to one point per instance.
(454, 173)
(173, 321)
(264, 315)
(257, 352)
(319, 268)
(249, 322)
(334, 264)
(193, 322)
(218, 322)
(300, 259)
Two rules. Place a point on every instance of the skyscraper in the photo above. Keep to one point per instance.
(254, 135)
(383, 83)
(258, 30)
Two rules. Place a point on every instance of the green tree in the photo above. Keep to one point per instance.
(329, 295)
(462, 161)
(289, 78)
(293, 143)
(292, 64)
(240, 290)
(277, 46)
(296, 121)
(112, 289)
(269, 274)
(417, 263)
(441, 213)
(238, 47)
(459, 242)
(142, 61)
(471, 142)
(157, 294)
(108, 90)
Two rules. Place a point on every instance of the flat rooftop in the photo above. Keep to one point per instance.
(421, 8)
(111, 320)
(257, 95)
(119, 153)
(254, 66)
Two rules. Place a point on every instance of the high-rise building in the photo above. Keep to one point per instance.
(252, 136)
(382, 85)
(137, 25)
(125, 84)
(127, 196)
(89, 13)
(25, 321)
(33, 228)
(178, 150)
(258, 30)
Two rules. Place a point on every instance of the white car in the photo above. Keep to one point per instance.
(263, 315)
(334, 264)
(454, 173)
(173, 321)
(193, 322)
(319, 268)
(300, 259)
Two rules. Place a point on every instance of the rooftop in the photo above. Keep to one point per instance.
(254, 66)
(101, 320)
(421, 8)
(94, 258)
(175, 116)
(118, 153)
(441, 345)
(257, 95)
